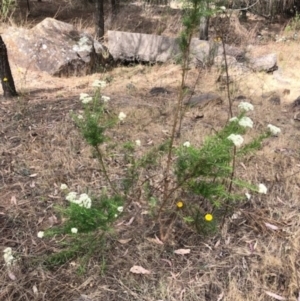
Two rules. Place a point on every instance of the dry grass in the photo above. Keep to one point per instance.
(41, 148)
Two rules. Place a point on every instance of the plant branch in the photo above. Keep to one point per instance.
(100, 159)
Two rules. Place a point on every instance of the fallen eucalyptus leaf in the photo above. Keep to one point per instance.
(136, 269)
(182, 251)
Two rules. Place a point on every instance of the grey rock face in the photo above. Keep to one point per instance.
(128, 46)
(266, 63)
(56, 48)
(203, 99)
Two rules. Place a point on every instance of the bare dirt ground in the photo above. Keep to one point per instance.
(254, 257)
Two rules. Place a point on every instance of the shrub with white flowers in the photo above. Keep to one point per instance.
(209, 171)
(87, 214)
(205, 173)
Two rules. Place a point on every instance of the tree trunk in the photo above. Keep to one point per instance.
(99, 19)
(204, 24)
(7, 80)
(115, 7)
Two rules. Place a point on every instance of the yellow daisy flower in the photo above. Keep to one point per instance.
(5, 79)
(208, 217)
(179, 204)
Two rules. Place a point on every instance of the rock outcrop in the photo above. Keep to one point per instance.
(128, 46)
(56, 48)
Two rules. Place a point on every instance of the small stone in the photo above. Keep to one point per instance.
(222, 79)
(130, 86)
(220, 61)
(286, 92)
(275, 100)
(203, 100)
(267, 63)
(240, 98)
(296, 102)
(297, 116)
(158, 90)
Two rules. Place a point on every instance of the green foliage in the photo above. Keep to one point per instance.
(95, 120)
(208, 171)
(82, 246)
(100, 215)
(6, 6)
(294, 24)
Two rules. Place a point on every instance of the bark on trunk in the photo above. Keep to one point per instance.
(7, 80)
(99, 18)
(204, 23)
(115, 7)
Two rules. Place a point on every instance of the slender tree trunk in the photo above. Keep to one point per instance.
(115, 7)
(204, 24)
(7, 80)
(204, 20)
(99, 18)
(28, 7)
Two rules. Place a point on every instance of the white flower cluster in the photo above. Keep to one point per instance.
(83, 200)
(105, 98)
(8, 256)
(99, 84)
(120, 209)
(274, 129)
(40, 234)
(74, 230)
(236, 139)
(187, 144)
(63, 187)
(262, 188)
(122, 116)
(244, 121)
(247, 122)
(246, 106)
(85, 98)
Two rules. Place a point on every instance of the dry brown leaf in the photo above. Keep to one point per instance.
(13, 200)
(53, 196)
(158, 240)
(182, 251)
(11, 276)
(220, 297)
(243, 165)
(124, 241)
(33, 175)
(174, 276)
(270, 226)
(130, 221)
(167, 261)
(275, 296)
(52, 220)
(40, 220)
(155, 240)
(136, 269)
(217, 243)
